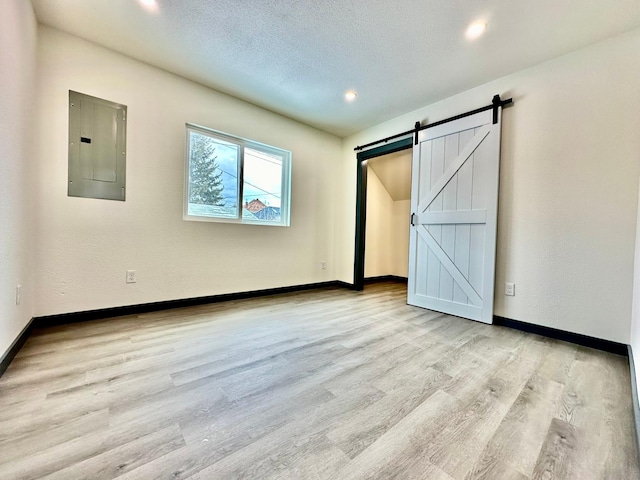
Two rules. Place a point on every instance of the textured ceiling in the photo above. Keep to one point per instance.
(297, 57)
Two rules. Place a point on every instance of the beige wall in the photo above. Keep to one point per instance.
(378, 253)
(387, 231)
(17, 67)
(568, 192)
(86, 245)
(400, 240)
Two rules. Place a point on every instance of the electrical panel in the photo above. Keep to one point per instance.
(97, 147)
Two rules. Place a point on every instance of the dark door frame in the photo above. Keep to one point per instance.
(361, 202)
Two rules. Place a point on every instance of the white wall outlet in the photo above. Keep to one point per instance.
(323, 265)
(510, 289)
(18, 294)
(131, 276)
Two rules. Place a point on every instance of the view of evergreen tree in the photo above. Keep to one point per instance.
(205, 182)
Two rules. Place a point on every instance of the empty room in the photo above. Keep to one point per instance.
(319, 240)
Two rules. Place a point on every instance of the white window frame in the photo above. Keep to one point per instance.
(285, 199)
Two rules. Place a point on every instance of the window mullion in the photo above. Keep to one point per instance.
(241, 182)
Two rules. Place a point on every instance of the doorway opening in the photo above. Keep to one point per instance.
(383, 185)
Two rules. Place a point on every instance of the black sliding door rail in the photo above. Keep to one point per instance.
(495, 104)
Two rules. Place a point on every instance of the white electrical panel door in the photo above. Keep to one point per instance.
(454, 200)
(97, 147)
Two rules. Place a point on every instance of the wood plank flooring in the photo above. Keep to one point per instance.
(325, 384)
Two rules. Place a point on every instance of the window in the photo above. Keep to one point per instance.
(231, 179)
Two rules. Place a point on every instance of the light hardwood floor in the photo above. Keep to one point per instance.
(325, 384)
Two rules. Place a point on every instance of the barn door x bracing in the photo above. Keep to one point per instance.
(454, 200)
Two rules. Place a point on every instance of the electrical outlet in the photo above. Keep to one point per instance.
(131, 276)
(18, 294)
(510, 289)
(323, 265)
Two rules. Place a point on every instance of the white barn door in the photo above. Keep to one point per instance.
(454, 200)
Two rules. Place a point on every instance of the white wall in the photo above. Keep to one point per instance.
(568, 192)
(17, 68)
(86, 245)
(387, 231)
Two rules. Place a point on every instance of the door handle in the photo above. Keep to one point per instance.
(413, 216)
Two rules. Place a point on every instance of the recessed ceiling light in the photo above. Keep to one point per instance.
(475, 30)
(149, 4)
(350, 96)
